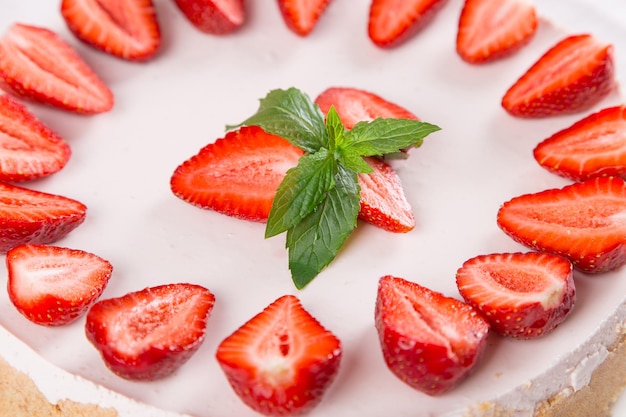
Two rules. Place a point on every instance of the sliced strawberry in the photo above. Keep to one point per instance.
(592, 147)
(28, 148)
(383, 202)
(52, 285)
(301, 16)
(570, 77)
(354, 105)
(237, 175)
(523, 295)
(29, 216)
(429, 341)
(126, 29)
(393, 22)
(38, 64)
(149, 334)
(582, 222)
(490, 30)
(282, 361)
(217, 17)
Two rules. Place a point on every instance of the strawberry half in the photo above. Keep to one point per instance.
(393, 22)
(429, 341)
(282, 361)
(383, 202)
(53, 286)
(29, 216)
(29, 149)
(592, 147)
(301, 16)
(570, 77)
(237, 175)
(354, 105)
(126, 29)
(523, 295)
(36, 63)
(490, 30)
(582, 222)
(149, 334)
(217, 17)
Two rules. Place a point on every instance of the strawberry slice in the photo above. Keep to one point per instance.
(570, 77)
(282, 361)
(582, 222)
(383, 202)
(28, 148)
(126, 29)
(52, 285)
(217, 17)
(523, 295)
(36, 63)
(301, 16)
(592, 147)
(149, 334)
(393, 22)
(30, 216)
(429, 341)
(490, 30)
(237, 175)
(354, 105)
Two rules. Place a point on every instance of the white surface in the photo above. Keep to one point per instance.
(168, 108)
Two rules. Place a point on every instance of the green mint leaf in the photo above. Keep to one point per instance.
(351, 159)
(292, 115)
(302, 189)
(334, 128)
(387, 136)
(315, 241)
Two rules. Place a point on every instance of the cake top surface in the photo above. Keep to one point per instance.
(167, 109)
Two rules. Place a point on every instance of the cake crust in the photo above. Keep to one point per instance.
(20, 397)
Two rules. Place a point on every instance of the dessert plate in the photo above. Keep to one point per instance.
(168, 108)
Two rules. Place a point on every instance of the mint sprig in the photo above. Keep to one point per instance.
(318, 201)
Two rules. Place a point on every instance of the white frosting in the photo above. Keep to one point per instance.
(168, 108)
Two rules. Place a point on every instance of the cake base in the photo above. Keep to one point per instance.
(20, 397)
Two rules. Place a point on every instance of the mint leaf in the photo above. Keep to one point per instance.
(387, 136)
(291, 115)
(302, 189)
(315, 241)
(334, 129)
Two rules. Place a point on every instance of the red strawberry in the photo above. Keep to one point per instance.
(237, 175)
(282, 360)
(53, 286)
(302, 16)
(383, 202)
(570, 77)
(29, 148)
(489, 30)
(429, 341)
(216, 17)
(29, 216)
(582, 222)
(594, 146)
(149, 334)
(354, 105)
(523, 295)
(126, 29)
(38, 64)
(393, 22)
